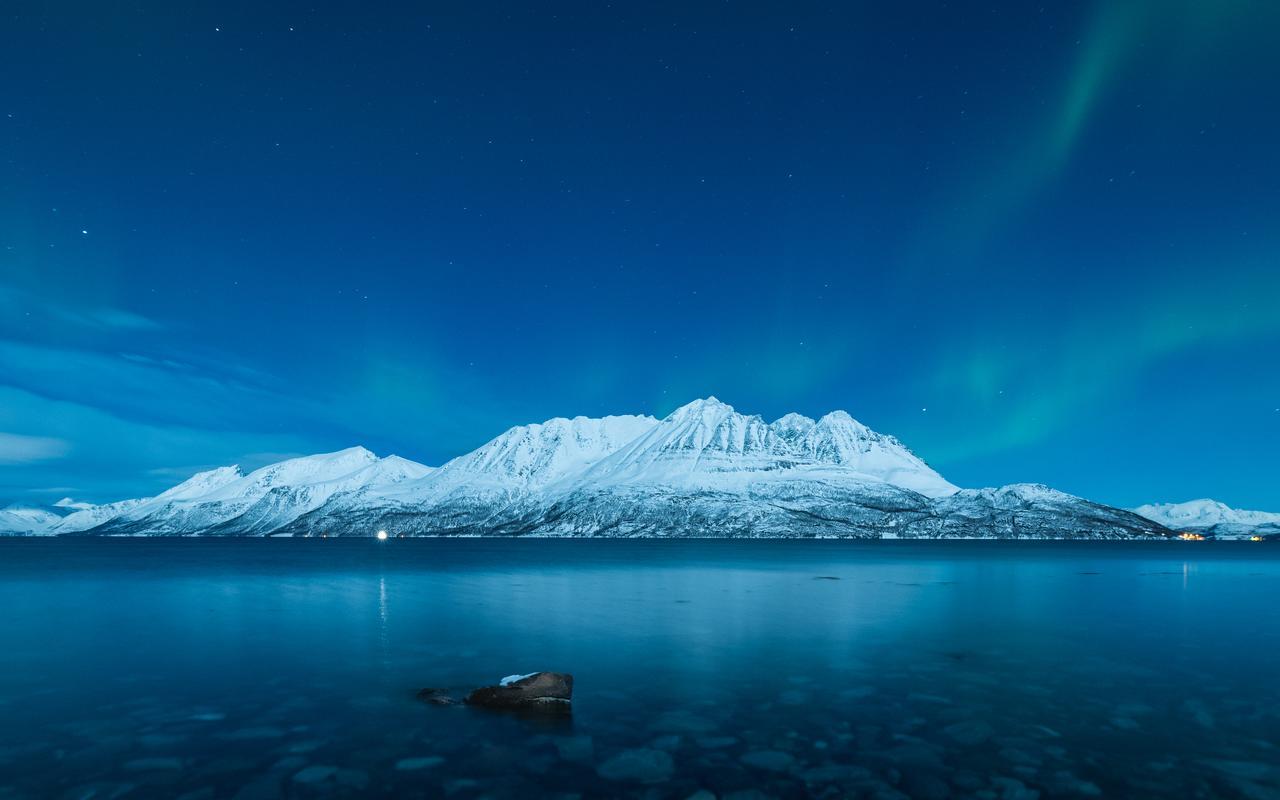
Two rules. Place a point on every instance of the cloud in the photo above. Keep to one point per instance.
(145, 389)
(114, 457)
(119, 318)
(16, 304)
(16, 448)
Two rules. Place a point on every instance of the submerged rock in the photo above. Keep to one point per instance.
(969, 733)
(537, 691)
(641, 766)
(437, 697)
(576, 748)
(421, 762)
(317, 773)
(151, 764)
(771, 760)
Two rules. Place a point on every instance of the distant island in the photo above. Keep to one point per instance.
(703, 471)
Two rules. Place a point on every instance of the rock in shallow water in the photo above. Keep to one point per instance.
(539, 691)
(436, 697)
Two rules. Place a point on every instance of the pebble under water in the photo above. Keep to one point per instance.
(258, 669)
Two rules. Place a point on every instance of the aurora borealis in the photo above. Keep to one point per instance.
(1036, 243)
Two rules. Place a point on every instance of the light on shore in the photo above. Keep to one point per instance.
(382, 536)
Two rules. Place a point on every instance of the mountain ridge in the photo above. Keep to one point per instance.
(703, 470)
(1212, 518)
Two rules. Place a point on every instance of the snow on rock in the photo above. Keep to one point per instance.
(1211, 517)
(530, 456)
(1035, 511)
(708, 444)
(93, 516)
(703, 470)
(72, 504)
(225, 501)
(20, 520)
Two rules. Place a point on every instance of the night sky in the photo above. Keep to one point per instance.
(1036, 243)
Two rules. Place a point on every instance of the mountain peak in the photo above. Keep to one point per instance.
(541, 453)
(701, 406)
(791, 428)
(838, 418)
(704, 470)
(355, 453)
(203, 482)
(73, 504)
(394, 469)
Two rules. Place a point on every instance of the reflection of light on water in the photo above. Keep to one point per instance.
(382, 601)
(383, 635)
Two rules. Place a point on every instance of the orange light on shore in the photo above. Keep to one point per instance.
(382, 536)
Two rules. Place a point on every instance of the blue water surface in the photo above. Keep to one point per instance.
(745, 669)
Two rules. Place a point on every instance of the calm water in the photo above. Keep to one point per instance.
(265, 669)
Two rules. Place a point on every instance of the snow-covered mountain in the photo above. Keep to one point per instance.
(225, 501)
(704, 470)
(1212, 518)
(24, 520)
(707, 445)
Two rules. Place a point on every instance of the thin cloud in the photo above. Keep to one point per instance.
(16, 448)
(16, 302)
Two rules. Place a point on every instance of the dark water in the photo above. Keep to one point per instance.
(265, 669)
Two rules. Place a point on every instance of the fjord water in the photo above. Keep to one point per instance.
(288, 668)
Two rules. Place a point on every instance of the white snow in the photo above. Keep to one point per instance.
(260, 502)
(703, 464)
(75, 505)
(707, 444)
(510, 679)
(1203, 513)
(27, 520)
(531, 456)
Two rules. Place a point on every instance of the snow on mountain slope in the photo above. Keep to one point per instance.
(532, 456)
(505, 479)
(704, 470)
(1211, 516)
(226, 502)
(93, 516)
(20, 520)
(72, 505)
(90, 516)
(708, 444)
(839, 439)
(1032, 510)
